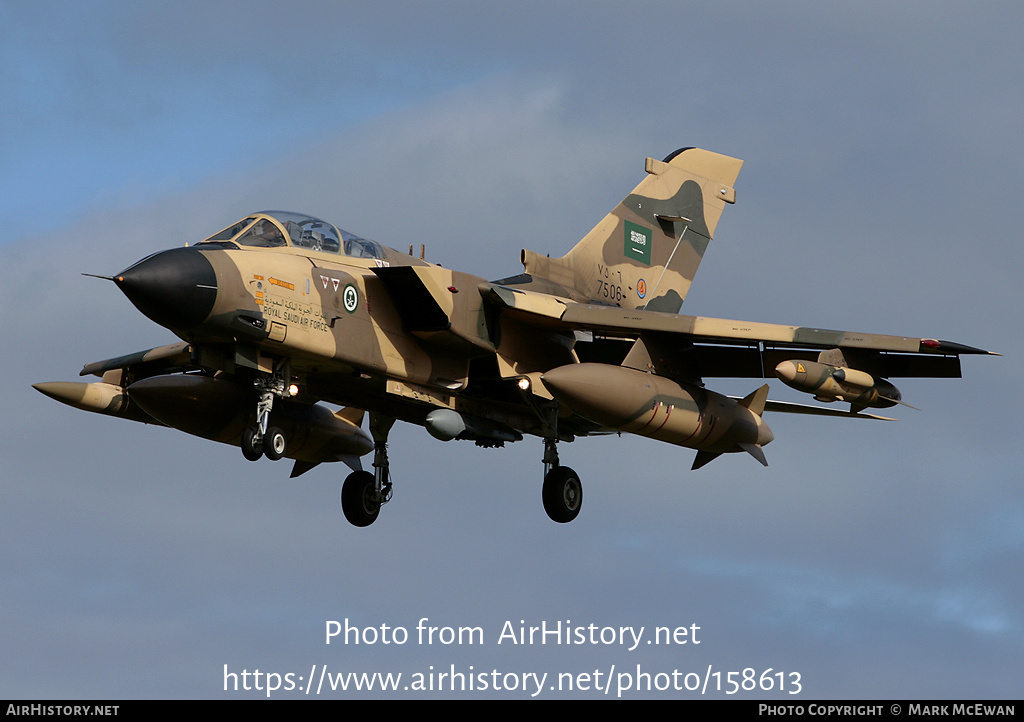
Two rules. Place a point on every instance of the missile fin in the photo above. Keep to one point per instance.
(702, 458)
(352, 461)
(352, 414)
(755, 400)
(301, 467)
(901, 403)
(756, 451)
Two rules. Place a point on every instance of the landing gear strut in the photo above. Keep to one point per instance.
(363, 493)
(563, 490)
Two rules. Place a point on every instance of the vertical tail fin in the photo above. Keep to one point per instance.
(645, 253)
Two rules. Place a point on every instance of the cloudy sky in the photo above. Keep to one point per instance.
(881, 193)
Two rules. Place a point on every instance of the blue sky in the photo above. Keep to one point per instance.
(126, 102)
(880, 193)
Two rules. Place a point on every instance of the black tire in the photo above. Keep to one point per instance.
(250, 449)
(274, 443)
(358, 499)
(563, 494)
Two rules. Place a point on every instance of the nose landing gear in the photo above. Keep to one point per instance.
(263, 438)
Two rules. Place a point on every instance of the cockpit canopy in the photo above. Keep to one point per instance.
(275, 229)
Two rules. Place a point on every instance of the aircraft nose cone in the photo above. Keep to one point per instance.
(175, 288)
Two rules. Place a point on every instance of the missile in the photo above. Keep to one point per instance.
(221, 410)
(657, 407)
(838, 383)
(98, 397)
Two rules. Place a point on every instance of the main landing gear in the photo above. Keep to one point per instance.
(563, 490)
(363, 493)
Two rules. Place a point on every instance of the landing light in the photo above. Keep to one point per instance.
(524, 383)
(293, 390)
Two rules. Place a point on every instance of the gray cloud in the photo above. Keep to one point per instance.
(875, 559)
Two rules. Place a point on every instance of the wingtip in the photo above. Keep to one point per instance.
(952, 347)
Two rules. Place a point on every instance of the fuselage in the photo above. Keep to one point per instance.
(362, 325)
(358, 323)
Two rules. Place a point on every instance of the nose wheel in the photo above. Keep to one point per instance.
(274, 443)
(254, 446)
(262, 438)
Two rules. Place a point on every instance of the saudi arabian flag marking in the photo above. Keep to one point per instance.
(638, 243)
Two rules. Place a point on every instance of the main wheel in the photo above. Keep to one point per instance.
(251, 449)
(274, 443)
(359, 498)
(563, 494)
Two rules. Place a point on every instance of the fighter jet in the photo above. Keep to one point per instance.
(281, 313)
